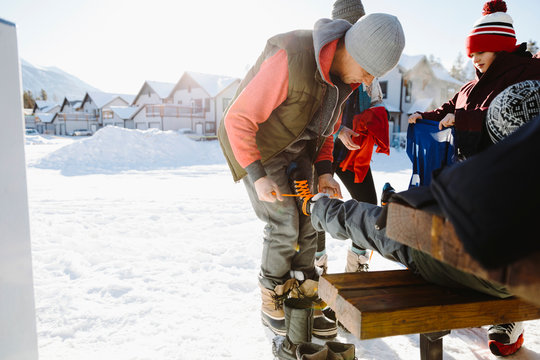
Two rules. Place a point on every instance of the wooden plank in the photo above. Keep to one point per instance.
(375, 304)
(436, 236)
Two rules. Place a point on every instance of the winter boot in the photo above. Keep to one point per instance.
(311, 351)
(356, 262)
(272, 314)
(298, 324)
(323, 327)
(505, 339)
(387, 192)
(340, 351)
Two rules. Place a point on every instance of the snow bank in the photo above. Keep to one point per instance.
(113, 149)
(38, 140)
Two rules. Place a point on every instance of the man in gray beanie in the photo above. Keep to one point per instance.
(363, 98)
(277, 131)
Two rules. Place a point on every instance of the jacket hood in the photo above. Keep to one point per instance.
(325, 32)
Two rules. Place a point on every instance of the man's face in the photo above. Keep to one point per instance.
(353, 73)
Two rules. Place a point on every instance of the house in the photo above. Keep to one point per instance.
(45, 106)
(153, 92)
(44, 123)
(415, 85)
(196, 102)
(42, 116)
(69, 118)
(120, 116)
(95, 104)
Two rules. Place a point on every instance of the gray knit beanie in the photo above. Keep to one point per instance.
(350, 10)
(512, 108)
(376, 42)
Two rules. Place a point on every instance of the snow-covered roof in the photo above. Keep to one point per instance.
(163, 89)
(442, 74)
(45, 105)
(124, 112)
(101, 98)
(212, 84)
(45, 117)
(420, 105)
(72, 101)
(407, 62)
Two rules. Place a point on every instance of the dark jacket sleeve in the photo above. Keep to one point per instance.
(438, 114)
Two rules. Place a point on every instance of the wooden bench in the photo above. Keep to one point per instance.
(387, 303)
(436, 236)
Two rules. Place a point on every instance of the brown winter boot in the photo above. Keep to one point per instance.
(272, 314)
(340, 351)
(323, 327)
(311, 351)
(298, 324)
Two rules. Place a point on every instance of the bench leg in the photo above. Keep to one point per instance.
(431, 345)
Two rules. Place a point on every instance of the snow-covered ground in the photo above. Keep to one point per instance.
(144, 248)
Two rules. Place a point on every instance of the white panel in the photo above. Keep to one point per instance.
(18, 339)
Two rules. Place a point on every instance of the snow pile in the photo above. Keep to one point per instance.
(38, 140)
(113, 149)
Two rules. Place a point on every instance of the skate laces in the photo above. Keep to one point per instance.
(301, 188)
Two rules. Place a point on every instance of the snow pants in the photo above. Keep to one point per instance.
(356, 220)
(289, 239)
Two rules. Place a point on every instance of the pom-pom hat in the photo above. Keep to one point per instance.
(493, 31)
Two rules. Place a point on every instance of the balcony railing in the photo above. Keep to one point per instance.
(171, 110)
(77, 116)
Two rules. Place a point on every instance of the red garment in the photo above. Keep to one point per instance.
(372, 127)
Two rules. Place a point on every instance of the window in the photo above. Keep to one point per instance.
(206, 105)
(197, 105)
(408, 91)
(384, 89)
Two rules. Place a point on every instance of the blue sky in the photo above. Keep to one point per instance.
(115, 45)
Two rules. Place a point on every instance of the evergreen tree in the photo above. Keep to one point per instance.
(28, 99)
(532, 47)
(433, 60)
(458, 69)
(43, 94)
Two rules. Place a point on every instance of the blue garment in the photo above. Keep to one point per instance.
(429, 149)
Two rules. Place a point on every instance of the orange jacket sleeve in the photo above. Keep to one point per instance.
(264, 93)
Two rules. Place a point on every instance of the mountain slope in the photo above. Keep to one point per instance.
(56, 82)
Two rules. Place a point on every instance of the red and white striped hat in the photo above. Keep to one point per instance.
(493, 31)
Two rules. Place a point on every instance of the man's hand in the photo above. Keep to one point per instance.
(267, 190)
(414, 117)
(328, 185)
(447, 121)
(346, 135)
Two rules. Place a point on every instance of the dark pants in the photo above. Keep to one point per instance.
(364, 191)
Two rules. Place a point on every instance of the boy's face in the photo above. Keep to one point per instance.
(482, 60)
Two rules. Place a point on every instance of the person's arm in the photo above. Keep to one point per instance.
(437, 114)
(264, 93)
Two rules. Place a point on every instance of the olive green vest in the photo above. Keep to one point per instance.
(304, 97)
